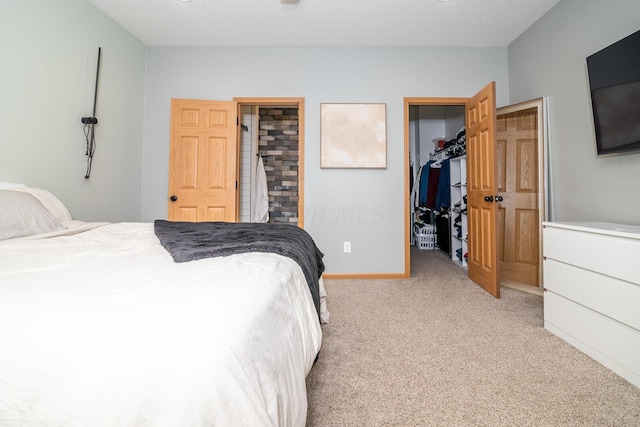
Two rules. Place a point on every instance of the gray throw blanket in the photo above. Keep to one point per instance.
(190, 241)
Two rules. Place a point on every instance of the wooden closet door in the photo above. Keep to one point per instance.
(203, 161)
(482, 208)
(519, 215)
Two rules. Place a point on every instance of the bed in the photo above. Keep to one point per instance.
(99, 326)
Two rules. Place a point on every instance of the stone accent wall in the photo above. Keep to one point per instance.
(278, 146)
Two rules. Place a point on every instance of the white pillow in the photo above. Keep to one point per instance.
(49, 201)
(21, 215)
(8, 185)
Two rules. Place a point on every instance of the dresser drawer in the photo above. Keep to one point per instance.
(617, 299)
(610, 255)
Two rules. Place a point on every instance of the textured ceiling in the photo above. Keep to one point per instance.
(325, 22)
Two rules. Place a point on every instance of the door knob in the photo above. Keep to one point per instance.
(499, 198)
(488, 198)
(173, 198)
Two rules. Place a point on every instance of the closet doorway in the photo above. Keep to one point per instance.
(271, 133)
(437, 134)
(521, 183)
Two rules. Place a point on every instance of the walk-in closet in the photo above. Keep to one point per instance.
(439, 159)
(437, 149)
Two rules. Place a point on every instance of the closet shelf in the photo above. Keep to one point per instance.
(458, 209)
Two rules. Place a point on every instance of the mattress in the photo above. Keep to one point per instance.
(99, 327)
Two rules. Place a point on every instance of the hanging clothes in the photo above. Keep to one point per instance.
(443, 193)
(415, 192)
(432, 187)
(424, 184)
(410, 177)
(261, 205)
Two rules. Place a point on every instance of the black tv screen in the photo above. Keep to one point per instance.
(614, 80)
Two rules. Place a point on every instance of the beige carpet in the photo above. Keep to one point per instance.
(436, 350)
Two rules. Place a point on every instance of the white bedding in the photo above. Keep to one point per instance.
(102, 328)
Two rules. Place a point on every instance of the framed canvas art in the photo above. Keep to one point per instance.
(353, 136)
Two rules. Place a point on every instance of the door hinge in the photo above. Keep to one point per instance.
(236, 185)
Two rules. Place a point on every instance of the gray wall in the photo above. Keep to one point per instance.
(48, 85)
(365, 207)
(549, 60)
(47, 76)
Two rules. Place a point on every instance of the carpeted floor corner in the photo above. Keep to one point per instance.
(437, 350)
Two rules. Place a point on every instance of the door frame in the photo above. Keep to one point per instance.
(543, 181)
(543, 190)
(293, 102)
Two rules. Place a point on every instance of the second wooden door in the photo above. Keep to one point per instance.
(203, 161)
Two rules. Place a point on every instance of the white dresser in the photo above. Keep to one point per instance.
(592, 291)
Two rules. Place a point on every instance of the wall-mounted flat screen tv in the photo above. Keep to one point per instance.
(614, 81)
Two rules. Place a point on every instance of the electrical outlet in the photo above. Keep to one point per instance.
(347, 247)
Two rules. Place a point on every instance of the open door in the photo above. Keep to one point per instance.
(521, 183)
(482, 206)
(203, 161)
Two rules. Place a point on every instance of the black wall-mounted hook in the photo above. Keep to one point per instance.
(89, 120)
